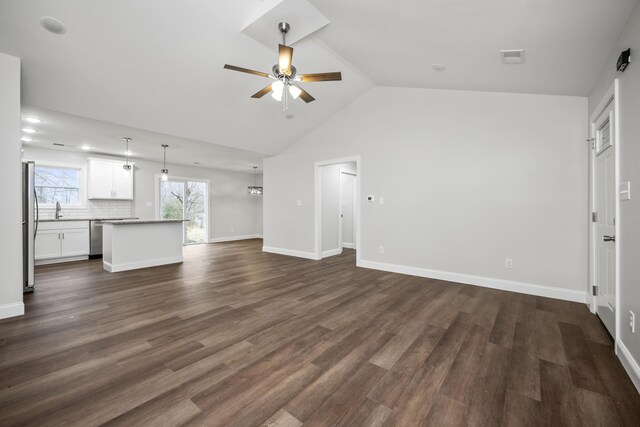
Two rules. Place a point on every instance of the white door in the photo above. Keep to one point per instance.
(47, 244)
(75, 242)
(100, 179)
(347, 211)
(122, 183)
(605, 208)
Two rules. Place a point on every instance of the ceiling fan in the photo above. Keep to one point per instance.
(285, 75)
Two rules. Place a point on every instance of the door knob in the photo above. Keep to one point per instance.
(609, 238)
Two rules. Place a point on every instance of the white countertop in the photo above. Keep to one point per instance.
(142, 221)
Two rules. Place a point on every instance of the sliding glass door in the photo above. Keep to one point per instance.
(186, 199)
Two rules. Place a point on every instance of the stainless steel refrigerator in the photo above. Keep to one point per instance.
(29, 224)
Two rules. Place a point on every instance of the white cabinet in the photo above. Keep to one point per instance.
(75, 242)
(61, 240)
(47, 244)
(109, 180)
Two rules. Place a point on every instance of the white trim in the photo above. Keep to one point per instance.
(318, 203)
(331, 252)
(289, 252)
(348, 245)
(47, 261)
(11, 310)
(486, 282)
(629, 363)
(111, 268)
(234, 238)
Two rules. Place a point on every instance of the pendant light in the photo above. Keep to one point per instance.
(164, 173)
(126, 166)
(254, 189)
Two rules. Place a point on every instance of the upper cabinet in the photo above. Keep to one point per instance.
(109, 180)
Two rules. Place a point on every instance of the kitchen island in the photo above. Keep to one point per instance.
(141, 243)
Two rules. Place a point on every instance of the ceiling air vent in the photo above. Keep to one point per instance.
(513, 56)
(58, 144)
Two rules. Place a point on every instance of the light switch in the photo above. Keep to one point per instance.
(299, 202)
(625, 191)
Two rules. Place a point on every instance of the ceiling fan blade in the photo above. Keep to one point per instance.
(246, 70)
(305, 96)
(321, 77)
(262, 92)
(285, 57)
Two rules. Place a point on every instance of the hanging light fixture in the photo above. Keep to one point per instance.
(126, 166)
(254, 189)
(164, 173)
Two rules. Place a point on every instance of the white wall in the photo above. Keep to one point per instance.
(11, 178)
(469, 179)
(331, 205)
(232, 212)
(629, 152)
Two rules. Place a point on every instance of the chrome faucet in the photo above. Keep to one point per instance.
(58, 209)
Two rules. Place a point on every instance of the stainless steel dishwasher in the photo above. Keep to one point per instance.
(95, 235)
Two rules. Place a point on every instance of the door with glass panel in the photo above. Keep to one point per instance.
(186, 199)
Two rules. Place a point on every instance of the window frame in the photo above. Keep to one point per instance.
(82, 183)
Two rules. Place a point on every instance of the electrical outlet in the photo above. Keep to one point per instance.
(149, 204)
(299, 202)
(508, 263)
(381, 249)
(632, 322)
(381, 200)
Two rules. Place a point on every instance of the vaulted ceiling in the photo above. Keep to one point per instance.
(157, 64)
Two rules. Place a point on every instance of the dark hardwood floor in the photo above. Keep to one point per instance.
(237, 337)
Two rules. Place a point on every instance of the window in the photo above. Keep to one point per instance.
(59, 183)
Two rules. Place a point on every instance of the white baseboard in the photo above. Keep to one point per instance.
(331, 252)
(487, 282)
(348, 245)
(114, 268)
(630, 364)
(289, 252)
(234, 238)
(11, 310)
(60, 260)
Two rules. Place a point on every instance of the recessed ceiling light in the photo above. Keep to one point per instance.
(439, 67)
(26, 139)
(32, 120)
(29, 130)
(53, 25)
(85, 147)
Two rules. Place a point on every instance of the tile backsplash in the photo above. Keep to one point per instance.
(94, 209)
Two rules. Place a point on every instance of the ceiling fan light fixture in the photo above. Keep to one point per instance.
(277, 89)
(295, 91)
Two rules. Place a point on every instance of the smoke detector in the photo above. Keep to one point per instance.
(512, 56)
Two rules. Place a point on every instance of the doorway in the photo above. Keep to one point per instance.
(186, 199)
(347, 224)
(604, 213)
(337, 207)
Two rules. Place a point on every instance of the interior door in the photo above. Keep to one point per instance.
(605, 219)
(347, 214)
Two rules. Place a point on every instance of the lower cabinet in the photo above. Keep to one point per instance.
(61, 240)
